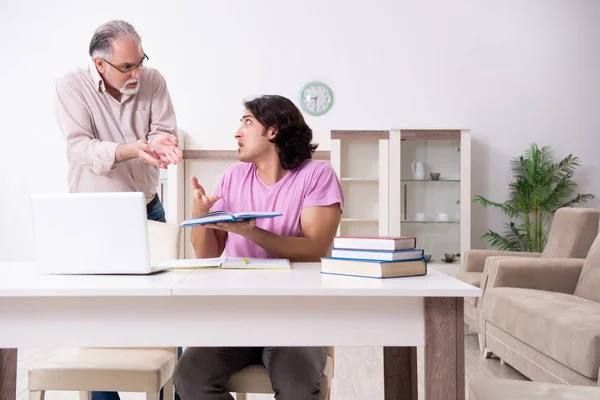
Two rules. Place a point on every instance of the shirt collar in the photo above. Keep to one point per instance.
(96, 78)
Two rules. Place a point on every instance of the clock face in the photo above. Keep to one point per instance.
(316, 98)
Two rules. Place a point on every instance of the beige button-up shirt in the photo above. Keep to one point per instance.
(94, 123)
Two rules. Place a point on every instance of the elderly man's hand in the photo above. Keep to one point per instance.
(166, 147)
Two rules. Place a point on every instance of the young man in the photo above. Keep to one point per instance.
(117, 119)
(118, 122)
(276, 174)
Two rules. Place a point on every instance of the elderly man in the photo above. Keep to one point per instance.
(117, 119)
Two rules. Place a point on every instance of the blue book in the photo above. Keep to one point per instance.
(374, 269)
(226, 216)
(377, 255)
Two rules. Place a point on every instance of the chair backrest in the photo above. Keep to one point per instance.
(572, 233)
(331, 353)
(164, 245)
(589, 279)
(163, 239)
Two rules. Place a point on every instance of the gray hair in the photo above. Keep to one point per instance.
(101, 44)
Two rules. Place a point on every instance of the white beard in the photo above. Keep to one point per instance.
(126, 91)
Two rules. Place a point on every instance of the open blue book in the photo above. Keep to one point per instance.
(226, 216)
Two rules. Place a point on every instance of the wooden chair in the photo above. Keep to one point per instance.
(254, 379)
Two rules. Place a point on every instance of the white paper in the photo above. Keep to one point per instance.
(192, 263)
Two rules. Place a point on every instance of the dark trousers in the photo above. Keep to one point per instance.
(295, 372)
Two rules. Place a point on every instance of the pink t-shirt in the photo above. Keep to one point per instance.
(314, 183)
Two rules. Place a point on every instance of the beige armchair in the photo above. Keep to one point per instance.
(571, 234)
(542, 316)
(108, 369)
(254, 379)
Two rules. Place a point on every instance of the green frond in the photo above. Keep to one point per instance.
(499, 242)
(506, 208)
(580, 198)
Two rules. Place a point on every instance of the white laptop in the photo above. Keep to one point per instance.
(91, 233)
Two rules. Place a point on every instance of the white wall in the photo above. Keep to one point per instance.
(512, 71)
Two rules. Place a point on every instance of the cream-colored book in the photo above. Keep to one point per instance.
(374, 269)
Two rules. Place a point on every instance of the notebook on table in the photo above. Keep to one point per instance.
(228, 263)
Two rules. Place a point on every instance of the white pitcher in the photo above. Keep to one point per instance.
(418, 168)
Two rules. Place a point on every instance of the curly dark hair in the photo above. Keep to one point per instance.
(294, 137)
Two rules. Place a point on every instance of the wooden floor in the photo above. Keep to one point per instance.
(476, 366)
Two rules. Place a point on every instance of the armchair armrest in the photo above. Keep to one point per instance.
(551, 274)
(475, 259)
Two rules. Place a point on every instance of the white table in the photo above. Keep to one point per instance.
(299, 307)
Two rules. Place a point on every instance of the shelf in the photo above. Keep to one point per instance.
(359, 180)
(439, 262)
(430, 180)
(408, 221)
(360, 220)
(324, 155)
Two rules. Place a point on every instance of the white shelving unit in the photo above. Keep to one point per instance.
(360, 160)
(383, 197)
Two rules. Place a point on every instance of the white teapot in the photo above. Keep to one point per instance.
(418, 169)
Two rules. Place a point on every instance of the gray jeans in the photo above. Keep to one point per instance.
(295, 372)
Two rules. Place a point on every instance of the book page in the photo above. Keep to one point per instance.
(256, 214)
(256, 263)
(211, 213)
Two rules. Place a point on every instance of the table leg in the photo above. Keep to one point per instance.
(400, 373)
(444, 349)
(8, 374)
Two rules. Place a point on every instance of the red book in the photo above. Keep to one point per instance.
(375, 242)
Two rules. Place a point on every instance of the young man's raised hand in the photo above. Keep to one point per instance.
(202, 202)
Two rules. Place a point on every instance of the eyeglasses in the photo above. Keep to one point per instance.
(129, 67)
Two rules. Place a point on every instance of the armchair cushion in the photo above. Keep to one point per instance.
(572, 233)
(555, 275)
(562, 326)
(502, 389)
(589, 280)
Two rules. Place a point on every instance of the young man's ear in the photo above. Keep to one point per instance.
(271, 133)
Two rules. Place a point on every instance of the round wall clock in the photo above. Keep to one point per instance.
(316, 98)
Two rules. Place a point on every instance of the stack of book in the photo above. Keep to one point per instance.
(375, 257)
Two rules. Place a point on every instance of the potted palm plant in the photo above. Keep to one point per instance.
(541, 187)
